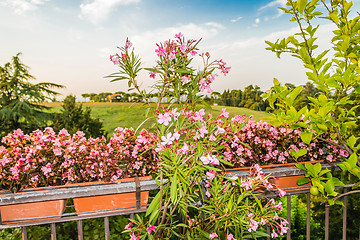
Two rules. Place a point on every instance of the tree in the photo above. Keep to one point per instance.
(74, 118)
(20, 100)
(85, 96)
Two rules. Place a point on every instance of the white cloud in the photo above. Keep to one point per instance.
(98, 10)
(21, 6)
(257, 21)
(274, 3)
(214, 25)
(236, 19)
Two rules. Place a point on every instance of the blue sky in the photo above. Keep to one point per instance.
(69, 41)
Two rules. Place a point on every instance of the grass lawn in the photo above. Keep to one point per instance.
(116, 115)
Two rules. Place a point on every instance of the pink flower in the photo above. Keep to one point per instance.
(203, 131)
(151, 229)
(274, 234)
(133, 237)
(219, 130)
(213, 235)
(214, 160)
(330, 158)
(128, 44)
(212, 138)
(205, 160)
(176, 136)
(183, 48)
(224, 113)
(211, 174)
(190, 222)
(164, 119)
(152, 74)
(46, 169)
(115, 59)
(178, 35)
(57, 151)
(172, 56)
(258, 168)
(207, 193)
(128, 226)
(262, 221)
(168, 140)
(279, 206)
(253, 225)
(185, 79)
(160, 51)
(184, 149)
(246, 184)
(175, 114)
(199, 115)
(281, 192)
(230, 237)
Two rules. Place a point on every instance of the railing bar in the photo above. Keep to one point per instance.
(308, 216)
(327, 222)
(80, 230)
(74, 214)
(53, 231)
(107, 228)
(344, 215)
(24, 233)
(288, 210)
(74, 218)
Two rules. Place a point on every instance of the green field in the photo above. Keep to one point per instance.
(116, 115)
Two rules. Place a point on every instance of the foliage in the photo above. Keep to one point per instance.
(20, 100)
(332, 111)
(249, 98)
(74, 118)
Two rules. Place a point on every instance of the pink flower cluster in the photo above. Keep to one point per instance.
(260, 142)
(179, 50)
(44, 158)
(243, 141)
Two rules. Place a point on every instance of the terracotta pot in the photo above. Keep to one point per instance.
(287, 183)
(16, 212)
(112, 201)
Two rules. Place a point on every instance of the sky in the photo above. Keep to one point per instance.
(69, 41)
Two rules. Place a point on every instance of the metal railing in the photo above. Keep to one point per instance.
(69, 192)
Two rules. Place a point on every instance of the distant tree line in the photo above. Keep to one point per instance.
(250, 97)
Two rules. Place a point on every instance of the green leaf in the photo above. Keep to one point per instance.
(317, 168)
(299, 165)
(173, 188)
(301, 4)
(276, 82)
(302, 181)
(329, 186)
(352, 160)
(154, 204)
(351, 141)
(306, 137)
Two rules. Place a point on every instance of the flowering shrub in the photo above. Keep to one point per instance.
(44, 158)
(173, 72)
(231, 211)
(195, 147)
